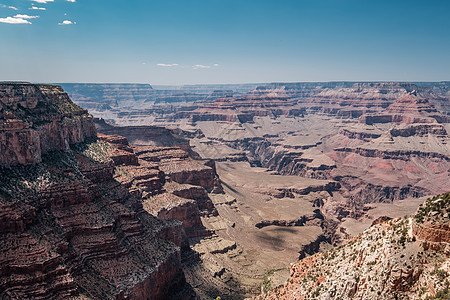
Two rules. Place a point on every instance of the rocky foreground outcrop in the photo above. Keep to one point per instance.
(69, 235)
(37, 119)
(432, 221)
(153, 176)
(73, 223)
(405, 258)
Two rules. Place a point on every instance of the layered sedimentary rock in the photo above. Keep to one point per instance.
(432, 221)
(410, 108)
(140, 104)
(144, 135)
(146, 176)
(361, 97)
(135, 103)
(86, 238)
(37, 119)
(69, 229)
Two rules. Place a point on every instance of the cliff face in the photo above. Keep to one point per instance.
(68, 226)
(37, 119)
(432, 221)
(155, 179)
(144, 135)
(86, 236)
(409, 108)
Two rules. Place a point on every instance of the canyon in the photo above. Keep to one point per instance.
(307, 166)
(205, 191)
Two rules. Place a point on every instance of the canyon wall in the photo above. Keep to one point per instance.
(37, 119)
(69, 226)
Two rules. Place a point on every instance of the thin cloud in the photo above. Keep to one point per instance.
(37, 8)
(215, 65)
(200, 67)
(67, 22)
(43, 1)
(25, 17)
(6, 6)
(167, 65)
(71, 1)
(14, 20)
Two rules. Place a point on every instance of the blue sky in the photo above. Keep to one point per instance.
(224, 41)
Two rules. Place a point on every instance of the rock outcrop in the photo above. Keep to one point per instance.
(150, 175)
(432, 221)
(68, 227)
(143, 135)
(409, 108)
(37, 119)
(394, 259)
(360, 98)
(85, 236)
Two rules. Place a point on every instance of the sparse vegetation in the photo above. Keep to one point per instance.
(437, 205)
(93, 149)
(443, 294)
(267, 286)
(441, 274)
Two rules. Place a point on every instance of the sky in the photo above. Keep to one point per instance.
(224, 41)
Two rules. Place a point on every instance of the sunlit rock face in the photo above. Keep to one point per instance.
(37, 119)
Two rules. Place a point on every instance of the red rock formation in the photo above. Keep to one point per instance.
(411, 104)
(410, 108)
(171, 207)
(419, 130)
(436, 233)
(40, 119)
(181, 202)
(432, 222)
(354, 101)
(67, 227)
(197, 193)
(86, 237)
(15, 216)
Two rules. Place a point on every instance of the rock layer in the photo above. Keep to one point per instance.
(37, 119)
